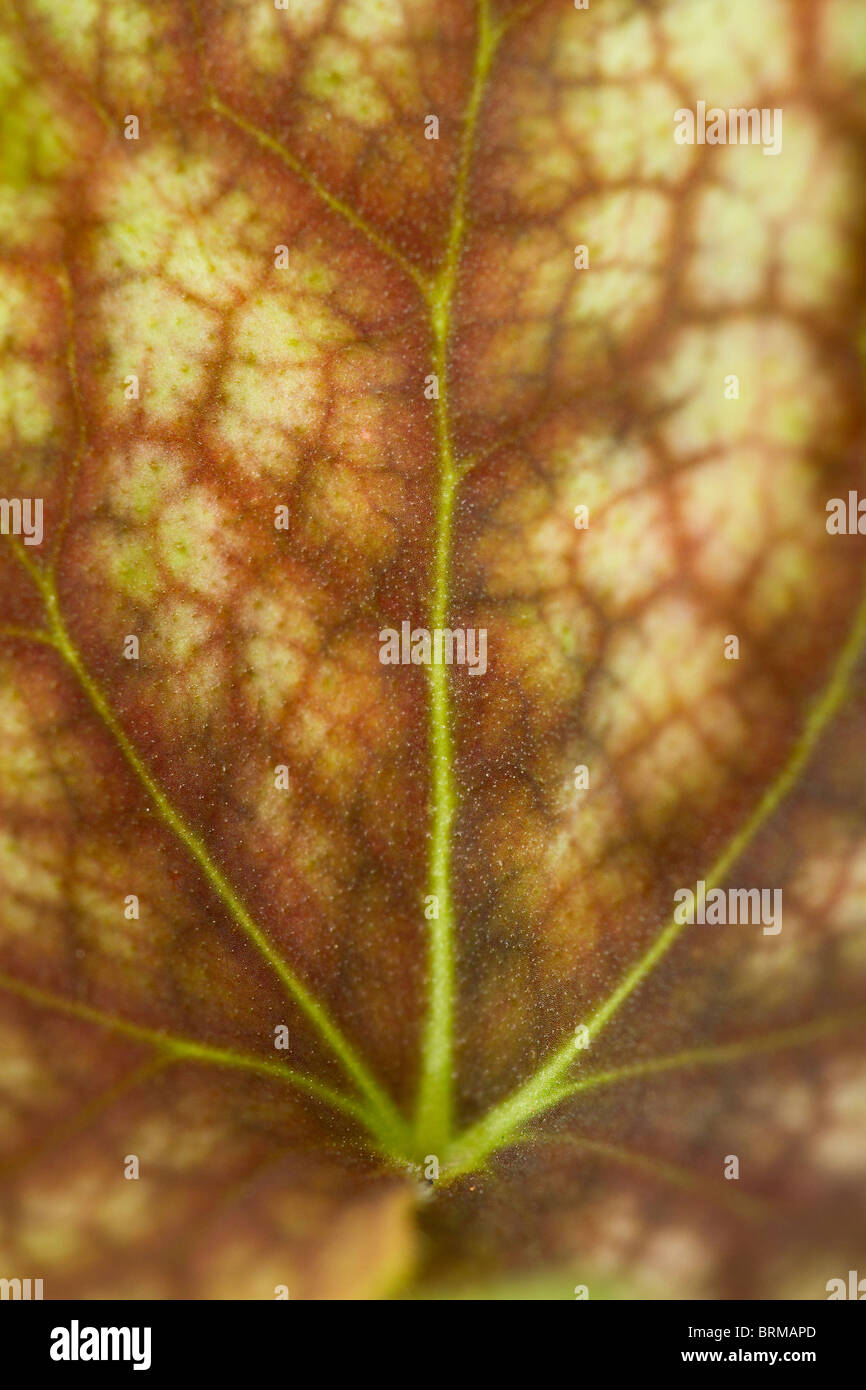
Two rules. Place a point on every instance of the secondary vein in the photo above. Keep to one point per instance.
(389, 1124)
(331, 200)
(180, 1048)
(540, 1091)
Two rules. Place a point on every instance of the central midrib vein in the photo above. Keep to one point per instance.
(435, 1104)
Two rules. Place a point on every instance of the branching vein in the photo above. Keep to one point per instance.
(183, 1049)
(538, 1092)
(382, 1114)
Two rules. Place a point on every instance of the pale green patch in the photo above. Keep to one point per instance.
(35, 142)
(276, 384)
(547, 646)
(48, 1231)
(628, 552)
(29, 388)
(156, 225)
(540, 270)
(785, 397)
(282, 636)
(337, 76)
(585, 823)
(679, 769)
(843, 36)
(734, 248)
(727, 508)
(31, 877)
(839, 1142)
(195, 540)
(155, 333)
(131, 566)
(258, 434)
(18, 755)
(322, 859)
(796, 222)
(817, 246)
(164, 217)
(547, 181)
(791, 582)
(344, 696)
(26, 215)
(629, 234)
(73, 25)
(376, 21)
(151, 198)
(624, 131)
(140, 481)
(27, 411)
(273, 815)
(215, 257)
(286, 328)
(121, 1210)
(119, 42)
(726, 52)
(97, 901)
(622, 43)
(22, 762)
(23, 1076)
(182, 637)
(268, 34)
(667, 659)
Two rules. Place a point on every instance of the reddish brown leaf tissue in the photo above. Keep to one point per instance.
(321, 320)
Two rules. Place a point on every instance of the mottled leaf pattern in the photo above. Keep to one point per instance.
(169, 380)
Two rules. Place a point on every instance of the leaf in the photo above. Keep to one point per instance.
(287, 374)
